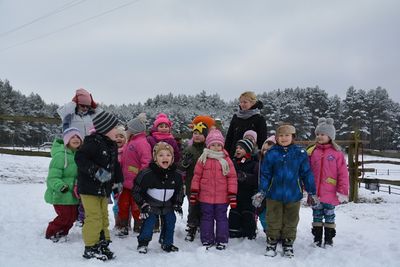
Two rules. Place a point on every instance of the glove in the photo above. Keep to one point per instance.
(187, 160)
(193, 198)
(232, 201)
(117, 189)
(342, 198)
(144, 211)
(242, 176)
(103, 175)
(76, 194)
(257, 199)
(64, 189)
(313, 200)
(178, 209)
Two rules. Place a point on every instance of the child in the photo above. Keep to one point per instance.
(158, 191)
(60, 183)
(189, 159)
(242, 222)
(252, 136)
(98, 172)
(284, 171)
(331, 180)
(136, 157)
(214, 185)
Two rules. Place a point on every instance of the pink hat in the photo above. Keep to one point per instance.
(251, 133)
(69, 133)
(271, 139)
(83, 97)
(162, 118)
(214, 136)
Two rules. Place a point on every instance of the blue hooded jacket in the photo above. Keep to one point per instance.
(284, 173)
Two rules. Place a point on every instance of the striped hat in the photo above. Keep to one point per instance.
(104, 122)
(246, 144)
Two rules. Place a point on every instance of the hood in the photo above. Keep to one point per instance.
(58, 146)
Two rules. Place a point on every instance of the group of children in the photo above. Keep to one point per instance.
(148, 176)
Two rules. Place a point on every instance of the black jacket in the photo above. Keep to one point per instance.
(97, 151)
(249, 186)
(160, 188)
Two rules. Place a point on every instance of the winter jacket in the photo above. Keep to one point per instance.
(97, 151)
(135, 157)
(160, 188)
(247, 187)
(284, 172)
(330, 172)
(190, 156)
(239, 126)
(156, 137)
(62, 171)
(71, 118)
(210, 184)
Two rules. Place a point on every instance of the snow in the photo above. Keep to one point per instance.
(367, 233)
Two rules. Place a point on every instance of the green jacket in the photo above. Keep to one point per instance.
(189, 159)
(62, 171)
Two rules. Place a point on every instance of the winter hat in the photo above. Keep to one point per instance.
(69, 133)
(214, 136)
(201, 128)
(252, 134)
(325, 126)
(104, 122)
(162, 118)
(246, 144)
(207, 120)
(137, 125)
(270, 139)
(162, 146)
(286, 129)
(83, 97)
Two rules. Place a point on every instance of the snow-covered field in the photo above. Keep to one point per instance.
(367, 233)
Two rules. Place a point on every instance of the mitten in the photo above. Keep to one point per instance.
(103, 175)
(144, 211)
(342, 198)
(232, 201)
(313, 200)
(117, 189)
(242, 176)
(76, 194)
(64, 188)
(257, 199)
(178, 209)
(193, 198)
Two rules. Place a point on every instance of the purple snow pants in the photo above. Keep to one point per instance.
(209, 214)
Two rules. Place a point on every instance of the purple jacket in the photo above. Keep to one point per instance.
(330, 172)
(156, 137)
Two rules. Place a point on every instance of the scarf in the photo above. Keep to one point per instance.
(245, 114)
(219, 155)
(162, 136)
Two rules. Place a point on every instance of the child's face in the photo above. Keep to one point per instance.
(245, 103)
(163, 128)
(285, 139)
(83, 108)
(251, 138)
(198, 137)
(112, 133)
(164, 159)
(74, 143)
(216, 147)
(240, 152)
(322, 138)
(120, 140)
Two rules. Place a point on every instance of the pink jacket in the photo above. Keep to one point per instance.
(136, 156)
(213, 187)
(330, 172)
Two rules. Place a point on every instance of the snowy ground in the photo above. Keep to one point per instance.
(367, 233)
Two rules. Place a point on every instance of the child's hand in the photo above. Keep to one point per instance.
(342, 198)
(313, 200)
(76, 194)
(64, 188)
(258, 199)
(144, 211)
(178, 209)
(242, 176)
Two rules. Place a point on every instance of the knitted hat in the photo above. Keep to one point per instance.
(83, 97)
(69, 133)
(201, 128)
(104, 122)
(270, 139)
(214, 136)
(325, 126)
(246, 144)
(251, 133)
(286, 129)
(162, 118)
(137, 125)
(162, 146)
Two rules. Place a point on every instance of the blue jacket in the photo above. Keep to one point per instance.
(284, 173)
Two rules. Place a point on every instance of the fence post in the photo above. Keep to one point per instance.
(389, 190)
(353, 167)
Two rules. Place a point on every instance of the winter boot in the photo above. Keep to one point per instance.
(191, 233)
(93, 252)
(142, 247)
(169, 248)
(271, 247)
(317, 232)
(123, 230)
(220, 246)
(287, 247)
(104, 249)
(330, 233)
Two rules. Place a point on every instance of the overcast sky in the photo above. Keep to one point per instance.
(155, 47)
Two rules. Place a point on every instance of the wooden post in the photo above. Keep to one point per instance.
(353, 167)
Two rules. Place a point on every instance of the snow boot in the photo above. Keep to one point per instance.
(317, 232)
(191, 233)
(93, 252)
(271, 247)
(208, 245)
(287, 247)
(220, 246)
(169, 248)
(330, 233)
(142, 247)
(105, 250)
(122, 232)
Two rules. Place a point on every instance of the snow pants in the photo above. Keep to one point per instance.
(66, 216)
(211, 213)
